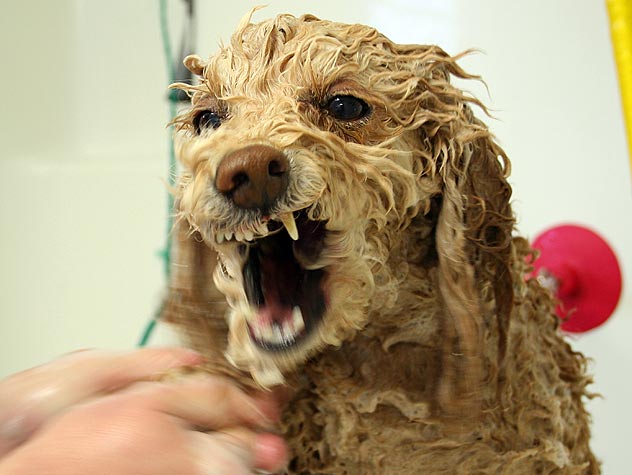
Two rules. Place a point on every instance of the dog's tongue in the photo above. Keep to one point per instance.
(269, 314)
(280, 278)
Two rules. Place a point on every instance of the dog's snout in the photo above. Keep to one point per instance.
(253, 176)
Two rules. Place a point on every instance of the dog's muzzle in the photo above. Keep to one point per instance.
(282, 273)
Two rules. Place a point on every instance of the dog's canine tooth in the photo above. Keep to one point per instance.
(290, 225)
(297, 319)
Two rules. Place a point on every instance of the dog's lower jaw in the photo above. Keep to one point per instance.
(347, 311)
(271, 368)
(266, 368)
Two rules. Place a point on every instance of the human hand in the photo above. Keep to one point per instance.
(30, 398)
(154, 428)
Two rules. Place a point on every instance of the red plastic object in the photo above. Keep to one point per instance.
(582, 270)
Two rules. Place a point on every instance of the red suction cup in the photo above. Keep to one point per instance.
(582, 271)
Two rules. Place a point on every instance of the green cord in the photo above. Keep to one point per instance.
(165, 254)
(171, 171)
(149, 329)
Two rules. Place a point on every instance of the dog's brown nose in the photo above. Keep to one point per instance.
(253, 176)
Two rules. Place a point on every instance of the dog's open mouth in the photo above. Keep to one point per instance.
(285, 283)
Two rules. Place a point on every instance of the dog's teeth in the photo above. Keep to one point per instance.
(219, 237)
(239, 236)
(278, 335)
(288, 338)
(229, 235)
(288, 330)
(256, 329)
(290, 225)
(297, 319)
(248, 235)
(267, 332)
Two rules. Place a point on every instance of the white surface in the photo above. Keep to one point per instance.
(84, 154)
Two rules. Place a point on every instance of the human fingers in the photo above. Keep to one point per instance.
(206, 401)
(97, 371)
(29, 398)
(84, 373)
(238, 451)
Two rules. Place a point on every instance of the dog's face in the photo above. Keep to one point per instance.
(309, 148)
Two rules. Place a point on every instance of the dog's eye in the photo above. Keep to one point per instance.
(206, 119)
(347, 108)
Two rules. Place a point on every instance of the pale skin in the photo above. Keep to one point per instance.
(104, 413)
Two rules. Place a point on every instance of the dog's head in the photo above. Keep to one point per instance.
(310, 151)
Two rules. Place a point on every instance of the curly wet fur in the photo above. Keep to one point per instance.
(436, 356)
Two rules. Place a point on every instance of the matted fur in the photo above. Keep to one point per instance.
(435, 356)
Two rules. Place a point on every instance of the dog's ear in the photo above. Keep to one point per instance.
(473, 230)
(194, 64)
(465, 173)
(193, 303)
(192, 297)
(473, 241)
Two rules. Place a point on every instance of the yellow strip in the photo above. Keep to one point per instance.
(621, 31)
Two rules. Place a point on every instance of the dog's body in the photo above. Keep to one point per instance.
(360, 216)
